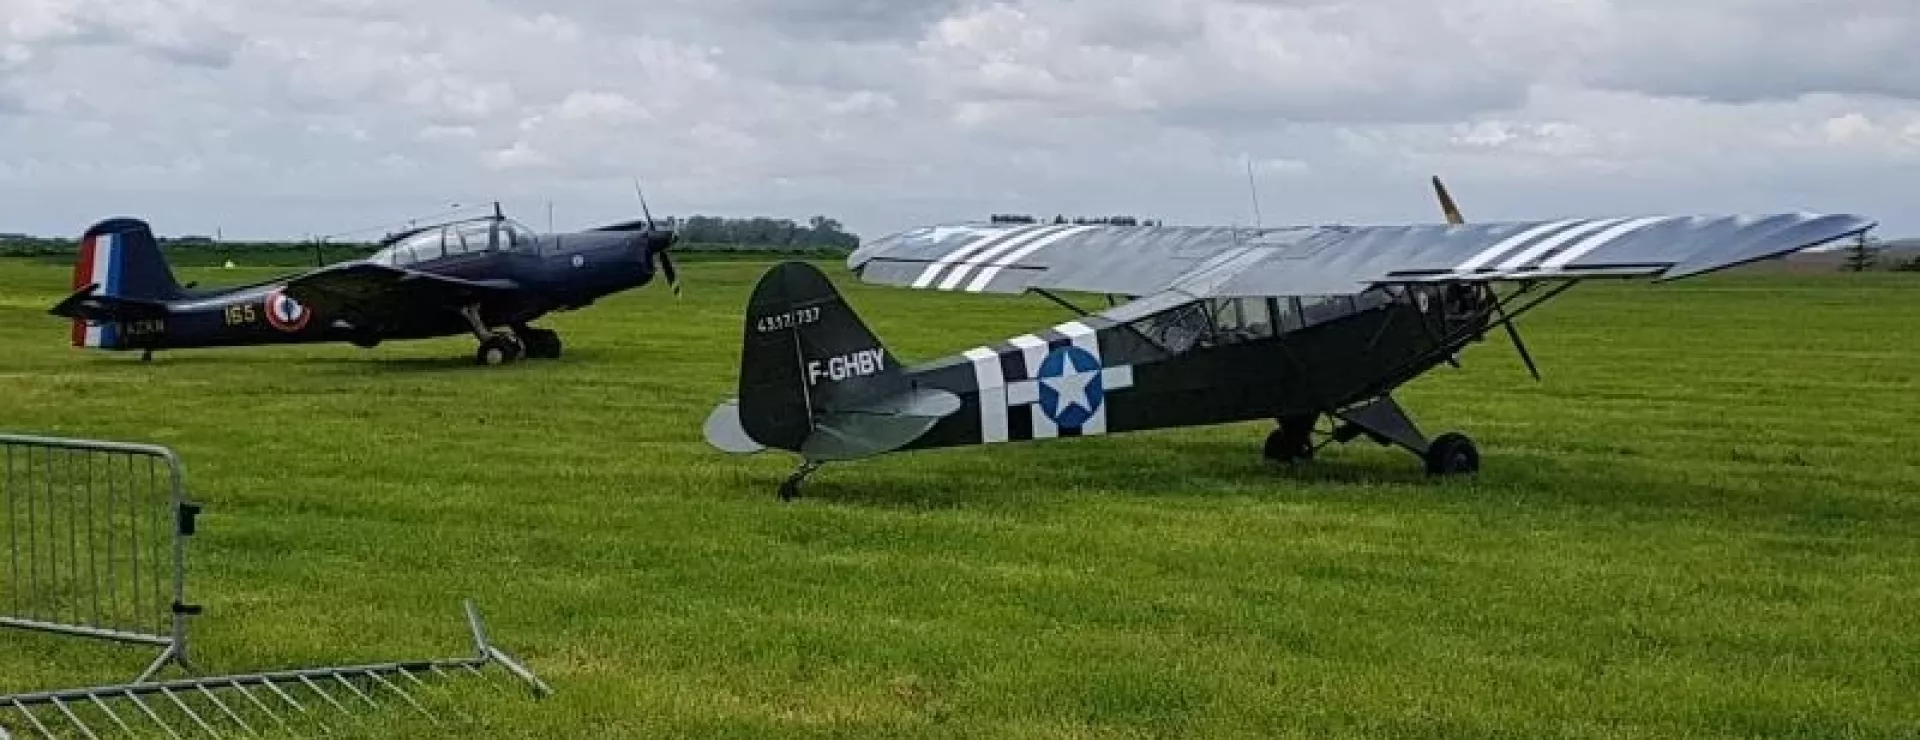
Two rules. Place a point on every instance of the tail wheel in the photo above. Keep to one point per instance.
(498, 349)
(1452, 454)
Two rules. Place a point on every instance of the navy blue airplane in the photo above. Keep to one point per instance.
(456, 277)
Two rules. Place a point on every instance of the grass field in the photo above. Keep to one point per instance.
(1704, 524)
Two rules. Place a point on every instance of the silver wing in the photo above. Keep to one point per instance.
(1330, 260)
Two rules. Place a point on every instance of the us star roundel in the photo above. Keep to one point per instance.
(285, 313)
(1070, 391)
(1051, 383)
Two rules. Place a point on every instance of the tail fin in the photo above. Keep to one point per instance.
(815, 380)
(119, 261)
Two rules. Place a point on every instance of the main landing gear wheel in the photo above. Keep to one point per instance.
(498, 349)
(542, 344)
(1291, 442)
(1452, 454)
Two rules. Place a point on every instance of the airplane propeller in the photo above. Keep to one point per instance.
(666, 261)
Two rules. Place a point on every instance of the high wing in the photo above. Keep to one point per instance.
(374, 292)
(1330, 260)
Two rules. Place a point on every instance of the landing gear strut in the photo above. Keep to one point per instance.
(1386, 423)
(790, 488)
(496, 348)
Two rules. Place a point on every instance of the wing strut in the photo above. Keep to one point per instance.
(1519, 345)
(1064, 302)
(1452, 213)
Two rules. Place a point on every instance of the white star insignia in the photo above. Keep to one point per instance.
(1072, 389)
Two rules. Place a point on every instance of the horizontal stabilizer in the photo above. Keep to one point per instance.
(878, 427)
(725, 433)
(87, 305)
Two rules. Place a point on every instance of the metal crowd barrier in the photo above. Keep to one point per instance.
(96, 536)
(334, 700)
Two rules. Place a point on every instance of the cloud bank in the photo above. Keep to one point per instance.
(277, 118)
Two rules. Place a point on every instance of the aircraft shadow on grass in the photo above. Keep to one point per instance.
(1166, 464)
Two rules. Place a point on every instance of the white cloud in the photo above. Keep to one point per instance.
(281, 117)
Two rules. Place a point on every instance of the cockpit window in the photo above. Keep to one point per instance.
(425, 245)
(1237, 320)
(430, 245)
(514, 236)
(469, 237)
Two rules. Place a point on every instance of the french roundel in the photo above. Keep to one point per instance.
(285, 313)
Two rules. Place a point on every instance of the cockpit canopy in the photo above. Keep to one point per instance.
(458, 238)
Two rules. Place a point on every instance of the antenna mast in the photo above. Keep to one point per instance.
(1253, 193)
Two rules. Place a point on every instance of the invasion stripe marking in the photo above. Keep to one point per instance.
(961, 269)
(988, 273)
(1501, 247)
(1579, 250)
(1545, 245)
(934, 269)
(993, 394)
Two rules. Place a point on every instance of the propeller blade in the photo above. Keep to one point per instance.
(666, 269)
(643, 203)
(1447, 208)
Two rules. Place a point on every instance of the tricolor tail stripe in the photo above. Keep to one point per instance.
(101, 265)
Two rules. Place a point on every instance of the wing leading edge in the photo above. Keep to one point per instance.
(377, 291)
(1332, 260)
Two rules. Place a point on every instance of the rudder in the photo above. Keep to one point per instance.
(119, 258)
(805, 355)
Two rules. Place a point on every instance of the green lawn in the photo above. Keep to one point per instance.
(1704, 524)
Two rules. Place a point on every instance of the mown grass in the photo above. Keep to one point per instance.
(1705, 523)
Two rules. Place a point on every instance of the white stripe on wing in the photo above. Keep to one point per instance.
(987, 273)
(966, 250)
(1501, 247)
(1595, 242)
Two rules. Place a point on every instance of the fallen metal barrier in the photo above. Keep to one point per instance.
(96, 536)
(276, 702)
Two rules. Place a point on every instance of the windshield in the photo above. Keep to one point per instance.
(458, 238)
(515, 236)
(426, 245)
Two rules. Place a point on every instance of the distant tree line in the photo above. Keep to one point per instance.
(819, 232)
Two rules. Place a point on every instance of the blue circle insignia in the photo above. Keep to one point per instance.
(1070, 391)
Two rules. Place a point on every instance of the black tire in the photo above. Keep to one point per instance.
(1288, 445)
(1452, 454)
(498, 349)
(542, 344)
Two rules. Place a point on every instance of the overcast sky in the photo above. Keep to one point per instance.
(281, 118)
